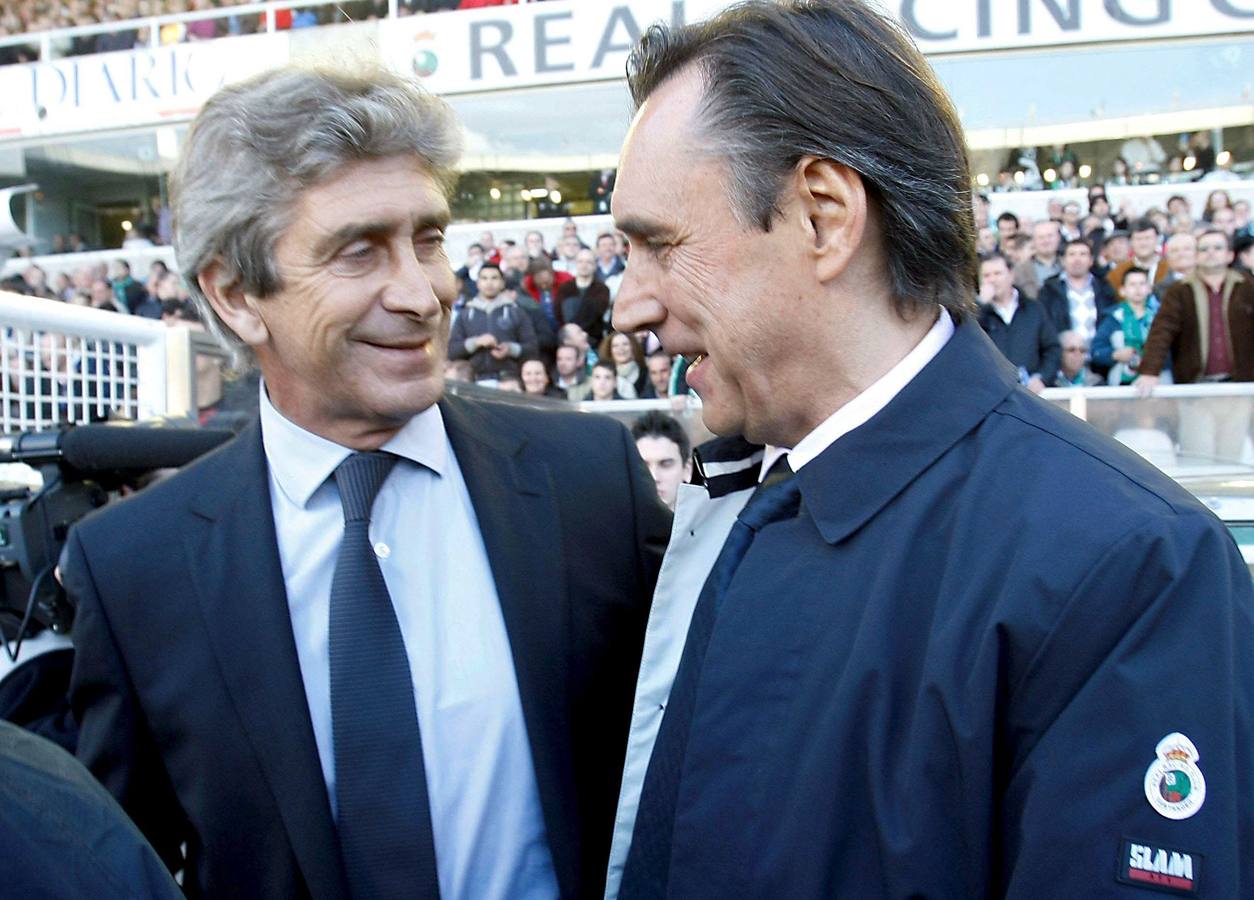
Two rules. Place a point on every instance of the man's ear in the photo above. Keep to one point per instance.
(834, 201)
(235, 308)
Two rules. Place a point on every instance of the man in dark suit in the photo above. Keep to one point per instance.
(907, 673)
(374, 653)
(1075, 298)
(1020, 328)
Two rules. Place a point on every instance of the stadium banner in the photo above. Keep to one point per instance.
(135, 87)
(567, 41)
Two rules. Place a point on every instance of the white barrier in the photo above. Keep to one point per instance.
(63, 364)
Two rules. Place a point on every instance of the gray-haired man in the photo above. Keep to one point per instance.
(342, 673)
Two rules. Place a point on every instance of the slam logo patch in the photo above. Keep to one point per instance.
(1147, 865)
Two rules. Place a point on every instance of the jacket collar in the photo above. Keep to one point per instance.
(859, 474)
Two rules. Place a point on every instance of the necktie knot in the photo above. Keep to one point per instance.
(778, 497)
(359, 478)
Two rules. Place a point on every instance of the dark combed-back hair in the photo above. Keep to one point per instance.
(839, 81)
(656, 423)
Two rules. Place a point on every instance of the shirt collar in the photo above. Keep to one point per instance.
(862, 407)
(302, 461)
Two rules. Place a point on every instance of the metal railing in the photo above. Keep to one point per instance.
(63, 364)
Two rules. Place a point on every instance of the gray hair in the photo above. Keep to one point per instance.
(839, 81)
(256, 145)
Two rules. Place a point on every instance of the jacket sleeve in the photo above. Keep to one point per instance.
(1162, 335)
(528, 344)
(1050, 349)
(1102, 346)
(457, 348)
(1153, 642)
(114, 742)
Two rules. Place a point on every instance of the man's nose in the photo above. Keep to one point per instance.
(636, 308)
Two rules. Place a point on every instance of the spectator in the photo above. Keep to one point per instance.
(57, 245)
(603, 383)
(572, 334)
(1144, 247)
(543, 284)
(535, 379)
(469, 272)
(104, 297)
(1074, 299)
(659, 364)
(492, 332)
(601, 190)
(534, 243)
(608, 261)
(1070, 227)
(488, 242)
(572, 374)
(628, 357)
(201, 29)
(1028, 277)
(1075, 371)
(514, 262)
(1099, 206)
(1218, 348)
(583, 300)
(128, 292)
(666, 450)
(1121, 337)
(1215, 200)
(62, 289)
(1007, 227)
(1019, 327)
(985, 240)
(1225, 219)
(36, 280)
(459, 370)
(1180, 252)
(78, 245)
(507, 382)
(1114, 251)
(1241, 214)
(567, 250)
(1227, 297)
(1178, 205)
(1243, 247)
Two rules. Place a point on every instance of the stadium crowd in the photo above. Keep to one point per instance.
(31, 16)
(1070, 299)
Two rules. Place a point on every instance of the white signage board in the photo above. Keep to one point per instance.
(134, 87)
(581, 40)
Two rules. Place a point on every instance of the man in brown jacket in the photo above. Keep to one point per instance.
(1206, 323)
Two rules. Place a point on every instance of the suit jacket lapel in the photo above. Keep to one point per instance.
(513, 494)
(234, 559)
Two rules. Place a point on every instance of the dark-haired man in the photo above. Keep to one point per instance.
(666, 450)
(1074, 298)
(1029, 276)
(1020, 328)
(492, 331)
(907, 673)
(1144, 240)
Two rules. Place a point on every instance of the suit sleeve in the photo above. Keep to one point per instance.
(1155, 641)
(653, 519)
(1162, 335)
(114, 741)
(1049, 348)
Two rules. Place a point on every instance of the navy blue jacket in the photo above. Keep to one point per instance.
(1029, 341)
(935, 682)
(188, 688)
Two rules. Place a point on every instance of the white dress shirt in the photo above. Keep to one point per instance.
(485, 806)
(700, 528)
